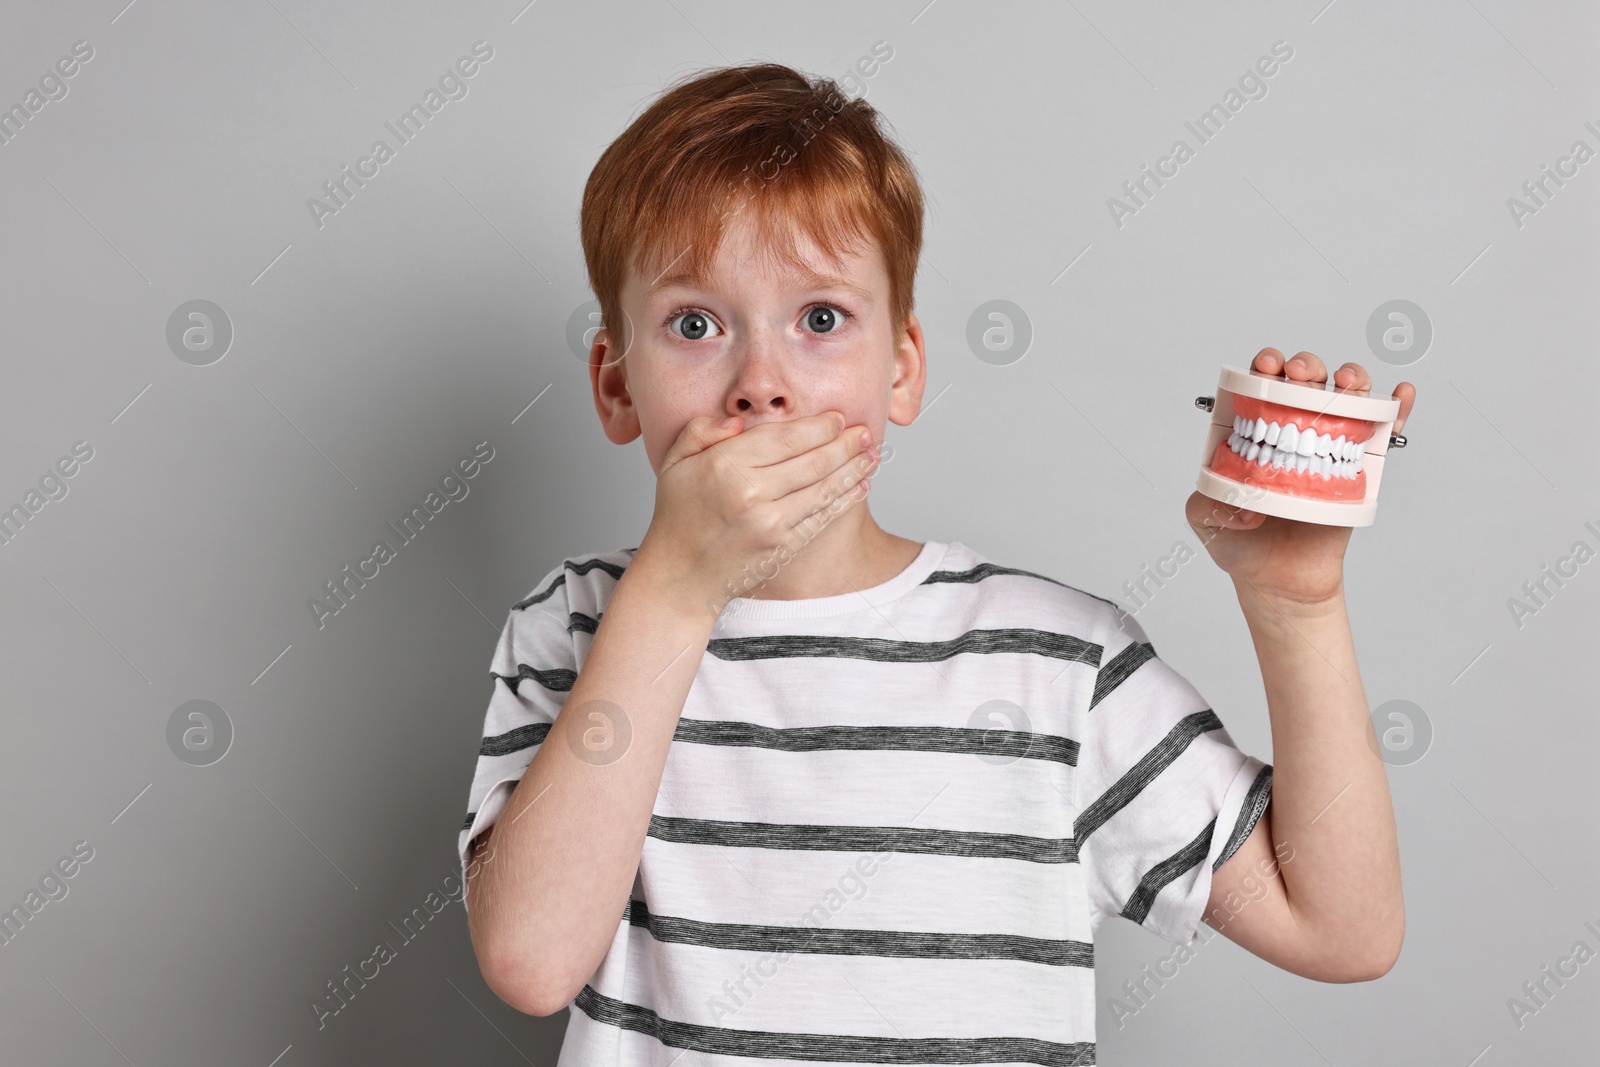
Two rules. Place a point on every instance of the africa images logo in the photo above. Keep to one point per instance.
(1252, 86)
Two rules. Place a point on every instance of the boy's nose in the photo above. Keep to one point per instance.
(760, 391)
(776, 409)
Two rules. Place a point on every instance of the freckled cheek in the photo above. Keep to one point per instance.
(867, 403)
(662, 403)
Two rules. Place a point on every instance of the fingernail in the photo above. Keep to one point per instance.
(838, 418)
(866, 439)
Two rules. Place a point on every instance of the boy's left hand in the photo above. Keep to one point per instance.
(1289, 561)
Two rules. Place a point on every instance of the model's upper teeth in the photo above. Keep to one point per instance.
(1288, 446)
(1305, 442)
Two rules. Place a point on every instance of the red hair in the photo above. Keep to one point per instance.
(760, 137)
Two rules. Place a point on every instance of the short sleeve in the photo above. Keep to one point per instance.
(1164, 795)
(532, 671)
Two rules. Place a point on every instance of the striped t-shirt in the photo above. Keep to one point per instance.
(890, 821)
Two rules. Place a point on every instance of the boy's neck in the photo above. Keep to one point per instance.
(852, 552)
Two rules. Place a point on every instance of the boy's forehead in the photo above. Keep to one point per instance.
(858, 271)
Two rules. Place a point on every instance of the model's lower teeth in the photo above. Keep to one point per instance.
(1289, 448)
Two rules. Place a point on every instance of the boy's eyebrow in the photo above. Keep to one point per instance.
(812, 280)
(809, 279)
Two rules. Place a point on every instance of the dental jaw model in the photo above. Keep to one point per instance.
(1297, 450)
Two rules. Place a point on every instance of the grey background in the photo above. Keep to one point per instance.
(370, 354)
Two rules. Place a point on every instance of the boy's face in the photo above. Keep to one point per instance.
(760, 340)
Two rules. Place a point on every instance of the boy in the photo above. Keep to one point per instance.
(778, 784)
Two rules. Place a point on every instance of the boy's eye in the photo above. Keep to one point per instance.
(695, 326)
(822, 319)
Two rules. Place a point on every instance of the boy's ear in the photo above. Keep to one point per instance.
(910, 373)
(613, 400)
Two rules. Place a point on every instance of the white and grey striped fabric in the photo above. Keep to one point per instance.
(890, 821)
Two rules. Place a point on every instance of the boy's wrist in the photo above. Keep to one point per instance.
(1252, 596)
(670, 586)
